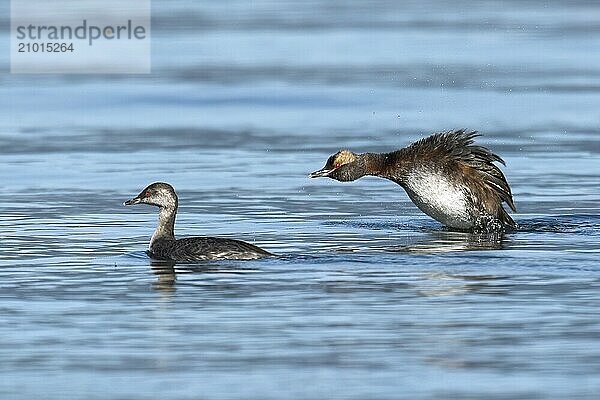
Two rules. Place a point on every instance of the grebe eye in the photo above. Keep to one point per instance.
(337, 165)
(147, 194)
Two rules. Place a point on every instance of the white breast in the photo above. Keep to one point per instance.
(439, 198)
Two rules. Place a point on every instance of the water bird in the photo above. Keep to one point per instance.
(164, 246)
(445, 175)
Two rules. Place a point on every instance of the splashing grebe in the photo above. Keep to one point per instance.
(445, 175)
(164, 246)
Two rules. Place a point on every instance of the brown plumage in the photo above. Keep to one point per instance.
(445, 175)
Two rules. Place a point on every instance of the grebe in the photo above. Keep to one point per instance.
(445, 175)
(164, 246)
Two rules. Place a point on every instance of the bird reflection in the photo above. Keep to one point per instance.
(451, 284)
(167, 271)
(443, 241)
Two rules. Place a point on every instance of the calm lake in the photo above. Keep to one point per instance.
(369, 298)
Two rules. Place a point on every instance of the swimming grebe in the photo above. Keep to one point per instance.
(445, 175)
(164, 246)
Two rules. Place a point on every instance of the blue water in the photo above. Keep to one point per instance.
(369, 299)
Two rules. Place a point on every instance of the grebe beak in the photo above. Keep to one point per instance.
(130, 202)
(321, 172)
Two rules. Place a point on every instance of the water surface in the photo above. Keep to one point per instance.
(368, 297)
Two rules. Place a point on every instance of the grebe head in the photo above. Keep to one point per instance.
(158, 194)
(342, 166)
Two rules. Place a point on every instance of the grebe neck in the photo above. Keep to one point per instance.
(166, 225)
